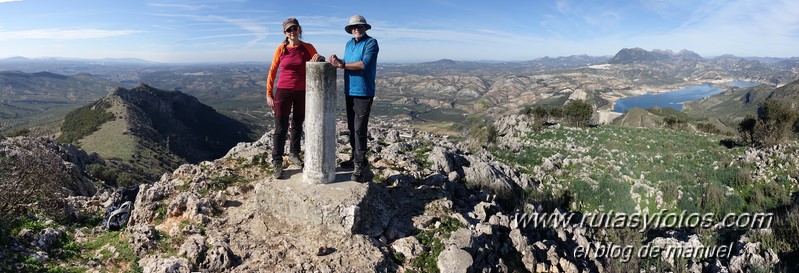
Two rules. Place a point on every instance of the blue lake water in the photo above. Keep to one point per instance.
(674, 99)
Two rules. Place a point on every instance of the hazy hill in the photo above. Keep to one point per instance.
(788, 93)
(637, 55)
(732, 105)
(28, 99)
(153, 130)
(50, 88)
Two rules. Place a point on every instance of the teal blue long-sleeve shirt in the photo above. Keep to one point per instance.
(362, 82)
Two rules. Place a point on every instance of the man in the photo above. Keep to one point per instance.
(360, 69)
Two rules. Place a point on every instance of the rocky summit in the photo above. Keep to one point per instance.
(230, 216)
(437, 204)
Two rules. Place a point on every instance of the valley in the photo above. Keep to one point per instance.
(460, 150)
(442, 91)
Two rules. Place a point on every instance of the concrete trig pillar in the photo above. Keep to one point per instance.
(320, 123)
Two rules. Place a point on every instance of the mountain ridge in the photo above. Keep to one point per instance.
(638, 55)
(154, 130)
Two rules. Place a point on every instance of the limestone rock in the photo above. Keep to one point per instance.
(219, 258)
(192, 248)
(248, 150)
(348, 207)
(145, 207)
(165, 265)
(408, 246)
(454, 260)
(142, 238)
(47, 237)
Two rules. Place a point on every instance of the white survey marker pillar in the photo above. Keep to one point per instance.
(320, 123)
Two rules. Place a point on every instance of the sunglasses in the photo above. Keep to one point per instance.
(290, 29)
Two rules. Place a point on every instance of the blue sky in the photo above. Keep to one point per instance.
(407, 31)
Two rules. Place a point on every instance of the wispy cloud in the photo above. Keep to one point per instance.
(9, 1)
(64, 34)
(183, 7)
(218, 36)
(253, 27)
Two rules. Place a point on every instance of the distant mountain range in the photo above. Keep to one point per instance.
(636, 55)
(109, 61)
(30, 99)
(48, 87)
(443, 90)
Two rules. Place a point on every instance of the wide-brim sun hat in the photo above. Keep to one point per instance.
(356, 20)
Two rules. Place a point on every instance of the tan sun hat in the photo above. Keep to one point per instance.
(290, 22)
(356, 20)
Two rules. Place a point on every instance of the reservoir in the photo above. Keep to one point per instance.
(674, 99)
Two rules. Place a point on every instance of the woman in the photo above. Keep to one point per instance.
(289, 92)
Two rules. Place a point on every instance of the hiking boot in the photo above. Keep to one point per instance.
(356, 173)
(362, 173)
(347, 164)
(278, 174)
(295, 159)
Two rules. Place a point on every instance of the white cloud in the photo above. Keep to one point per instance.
(63, 34)
(9, 1)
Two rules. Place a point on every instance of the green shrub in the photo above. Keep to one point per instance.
(774, 124)
(746, 129)
(125, 256)
(84, 121)
(555, 112)
(578, 113)
(549, 200)
(114, 176)
(541, 115)
(708, 128)
(480, 129)
(674, 122)
(19, 132)
(421, 153)
(431, 240)
(28, 185)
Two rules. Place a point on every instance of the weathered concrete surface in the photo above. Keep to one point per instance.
(342, 206)
(320, 123)
(606, 117)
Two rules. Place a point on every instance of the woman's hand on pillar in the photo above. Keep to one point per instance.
(317, 58)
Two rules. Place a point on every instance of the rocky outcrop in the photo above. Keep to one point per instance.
(435, 205)
(28, 156)
(440, 201)
(415, 195)
(769, 162)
